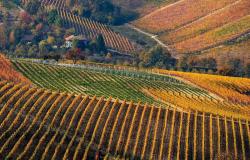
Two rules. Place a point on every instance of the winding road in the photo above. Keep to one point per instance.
(152, 36)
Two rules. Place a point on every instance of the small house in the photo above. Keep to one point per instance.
(69, 40)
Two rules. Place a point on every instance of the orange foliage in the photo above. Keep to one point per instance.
(8, 73)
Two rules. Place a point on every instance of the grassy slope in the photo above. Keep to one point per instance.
(143, 7)
(135, 36)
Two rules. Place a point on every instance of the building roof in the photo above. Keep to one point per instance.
(73, 37)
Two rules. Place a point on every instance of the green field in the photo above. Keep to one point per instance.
(99, 81)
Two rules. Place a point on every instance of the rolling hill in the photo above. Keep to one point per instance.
(74, 109)
(88, 111)
(157, 87)
(40, 124)
(189, 26)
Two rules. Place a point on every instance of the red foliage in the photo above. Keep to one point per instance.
(25, 17)
(75, 55)
(39, 27)
(8, 73)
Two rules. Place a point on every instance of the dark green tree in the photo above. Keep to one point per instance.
(32, 6)
(100, 44)
(247, 70)
(158, 57)
(78, 44)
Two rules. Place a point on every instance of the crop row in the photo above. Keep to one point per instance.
(8, 73)
(217, 19)
(97, 81)
(230, 88)
(186, 102)
(89, 28)
(40, 124)
(180, 13)
(214, 37)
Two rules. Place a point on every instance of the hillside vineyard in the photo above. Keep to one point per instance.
(89, 28)
(191, 26)
(148, 87)
(40, 124)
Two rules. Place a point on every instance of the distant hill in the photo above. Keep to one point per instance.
(143, 7)
(201, 26)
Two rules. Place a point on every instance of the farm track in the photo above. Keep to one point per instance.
(153, 37)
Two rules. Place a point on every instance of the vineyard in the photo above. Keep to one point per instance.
(232, 88)
(101, 80)
(215, 37)
(191, 26)
(8, 73)
(225, 51)
(144, 86)
(232, 12)
(40, 124)
(178, 14)
(89, 28)
(58, 110)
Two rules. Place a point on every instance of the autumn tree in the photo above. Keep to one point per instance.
(3, 37)
(75, 55)
(247, 70)
(69, 3)
(25, 17)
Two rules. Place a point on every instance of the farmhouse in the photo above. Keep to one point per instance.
(69, 40)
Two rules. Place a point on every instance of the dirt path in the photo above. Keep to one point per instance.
(152, 36)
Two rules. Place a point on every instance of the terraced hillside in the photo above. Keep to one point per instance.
(215, 37)
(230, 13)
(190, 26)
(40, 124)
(89, 28)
